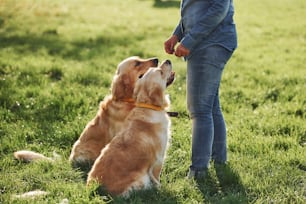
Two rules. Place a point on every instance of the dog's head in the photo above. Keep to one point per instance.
(128, 72)
(151, 87)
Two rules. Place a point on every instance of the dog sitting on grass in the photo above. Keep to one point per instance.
(133, 159)
(112, 111)
(109, 118)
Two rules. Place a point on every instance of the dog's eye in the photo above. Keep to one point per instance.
(140, 76)
(137, 63)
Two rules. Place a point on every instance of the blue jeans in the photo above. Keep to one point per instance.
(204, 71)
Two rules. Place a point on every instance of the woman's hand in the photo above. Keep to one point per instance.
(181, 51)
(170, 44)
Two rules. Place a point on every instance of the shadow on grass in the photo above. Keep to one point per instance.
(83, 168)
(166, 3)
(153, 195)
(228, 187)
(52, 43)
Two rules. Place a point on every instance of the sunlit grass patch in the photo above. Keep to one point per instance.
(57, 62)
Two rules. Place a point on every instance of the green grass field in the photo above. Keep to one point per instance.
(57, 60)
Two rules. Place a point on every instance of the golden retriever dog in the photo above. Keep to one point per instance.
(112, 111)
(133, 159)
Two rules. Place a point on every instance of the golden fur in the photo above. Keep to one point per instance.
(112, 111)
(133, 159)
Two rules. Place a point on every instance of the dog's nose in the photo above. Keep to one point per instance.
(168, 62)
(155, 61)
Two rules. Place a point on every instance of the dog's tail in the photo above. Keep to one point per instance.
(28, 156)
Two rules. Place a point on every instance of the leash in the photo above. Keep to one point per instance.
(173, 114)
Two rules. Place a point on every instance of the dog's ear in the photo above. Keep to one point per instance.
(122, 86)
(156, 95)
(115, 86)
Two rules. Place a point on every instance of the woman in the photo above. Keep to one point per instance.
(206, 38)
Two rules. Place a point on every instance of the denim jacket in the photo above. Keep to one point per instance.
(207, 22)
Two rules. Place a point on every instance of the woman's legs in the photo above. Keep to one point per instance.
(204, 71)
(219, 153)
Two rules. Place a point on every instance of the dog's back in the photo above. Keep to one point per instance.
(100, 131)
(132, 158)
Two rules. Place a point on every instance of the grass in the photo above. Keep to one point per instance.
(57, 60)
